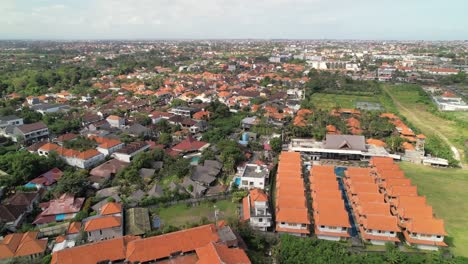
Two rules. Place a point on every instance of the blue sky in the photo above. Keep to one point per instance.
(303, 19)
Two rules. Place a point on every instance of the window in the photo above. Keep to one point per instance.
(251, 183)
(322, 226)
(260, 220)
(100, 232)
(303, 225)
(391, 232)
(283, 223)
(379, 231)
(439, 236)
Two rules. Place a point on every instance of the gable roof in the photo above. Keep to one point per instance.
(21, 244)
(214, 253)
(111, 208)
(103, 222)
(350, 142)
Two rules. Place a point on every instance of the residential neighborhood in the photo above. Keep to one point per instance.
(232, 151)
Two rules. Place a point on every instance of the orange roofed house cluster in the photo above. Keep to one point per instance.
(291, 204)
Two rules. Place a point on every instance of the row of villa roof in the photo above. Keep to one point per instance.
(291, 204)
(415, 218)
(383, 202)
(331, 219)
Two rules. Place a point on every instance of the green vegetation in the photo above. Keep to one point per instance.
(330, 101)
(182, 214)
(293, 250)
(80, 144)
(73, 182)
(445, 190)
(416, 106)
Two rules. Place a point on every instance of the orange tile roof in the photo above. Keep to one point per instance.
(431, 226)
(245, 208)
(375, 161)
(404, 201)
(381, 222)
(373, 209)
(376, 142)
(214, 253)
(74, 228)
(408, 146)
(292, 215)
(405, 190)
(22, 244)
(109, 250)
(183, 241)
(113, 117)
(337, 218)
(291, 230)
(422, 242)
(257, 195)
(111, 208)
(355, 171)
(49, 147)
(102, 223)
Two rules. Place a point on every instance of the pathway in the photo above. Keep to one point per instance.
(415, 119)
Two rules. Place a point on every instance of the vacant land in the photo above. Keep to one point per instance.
(445, 190)
(181, 214)
(414, 106)
(330, 101)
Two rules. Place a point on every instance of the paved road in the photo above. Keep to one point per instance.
(426, 126)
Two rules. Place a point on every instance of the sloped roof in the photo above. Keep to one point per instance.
(103, 222)
(214, 253)
(21, 244)
(349, 142)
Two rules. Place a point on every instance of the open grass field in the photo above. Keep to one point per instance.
(330, 101)
(414, 107)
(181, 214)
(446, 192)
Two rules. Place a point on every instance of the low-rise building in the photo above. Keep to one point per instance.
(30, 132)
(130, 150)
(26, 245)
(256, 210)
(253, 176)
(106, 225)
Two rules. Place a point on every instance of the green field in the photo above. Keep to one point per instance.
(446, 192)
(181, 214)
(414, 106)
(330, 101)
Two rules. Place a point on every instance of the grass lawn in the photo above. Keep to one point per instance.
(446, 192)
(181, 214)
(410, 104)
(330, 101)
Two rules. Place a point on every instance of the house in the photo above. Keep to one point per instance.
(14, 209)
(30, 132)
(137, 130)
(255, 210)
(47, 179)
(65, 137)
(130, 150)
(189, 145)
(249, 122)
(63, 208)
(137, 221)
(157, 116)
(292, 216)
(49, 108)
(425, 233)
(25, 245)
(199, 127)
(10, 120)
(107, 146)
(183, 111)
(81, 159)
(253, 176)
(107, 170)
(203, 244)
(207, 173)
(115, 121)
(106, 225)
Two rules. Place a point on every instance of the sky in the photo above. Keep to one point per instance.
(234, 19)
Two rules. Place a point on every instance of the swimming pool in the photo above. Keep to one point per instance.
(339, 171)
(237, 181)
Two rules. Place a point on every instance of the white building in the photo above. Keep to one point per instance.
(253, 176)
(127, 153)
(256, 211)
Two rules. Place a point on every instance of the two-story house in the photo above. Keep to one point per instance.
(30, 132)
(256, 210)
(106, 225)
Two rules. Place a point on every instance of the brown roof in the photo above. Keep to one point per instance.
(27, 128)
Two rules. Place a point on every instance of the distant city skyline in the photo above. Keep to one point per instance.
(234, 19)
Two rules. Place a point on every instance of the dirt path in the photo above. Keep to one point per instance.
(418, 122)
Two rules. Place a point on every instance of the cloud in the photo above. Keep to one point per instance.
(226, 19)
